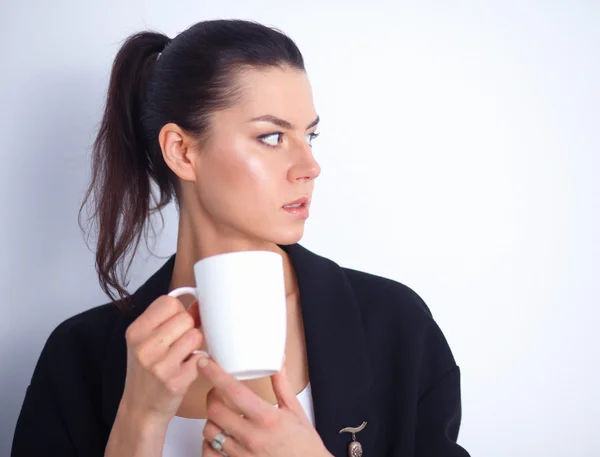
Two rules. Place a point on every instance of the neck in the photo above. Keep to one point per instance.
(195, 243)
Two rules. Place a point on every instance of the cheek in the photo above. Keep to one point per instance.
(239, 178)
(260, 175)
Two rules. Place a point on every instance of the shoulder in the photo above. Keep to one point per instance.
(80, 339)
(87, 325)
(394, 314)
(65, 397)
(380, 296)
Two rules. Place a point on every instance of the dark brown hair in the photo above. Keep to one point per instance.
(155, 81)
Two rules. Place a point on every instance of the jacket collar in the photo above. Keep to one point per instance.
(338, 365)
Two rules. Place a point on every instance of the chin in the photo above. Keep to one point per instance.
(290, 236)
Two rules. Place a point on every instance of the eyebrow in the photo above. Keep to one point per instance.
(281, 122)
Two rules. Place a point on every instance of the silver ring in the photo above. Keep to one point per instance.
(218, 442)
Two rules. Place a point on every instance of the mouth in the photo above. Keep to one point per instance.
(298, 208)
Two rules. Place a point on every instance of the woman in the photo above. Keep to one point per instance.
(221, 119)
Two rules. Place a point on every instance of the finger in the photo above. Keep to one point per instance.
(185, 345)
(286, 397)
(194, 311)
(208, 451)
(179, 384)
(214, 395)
(239, 395)
(228, 418)
(178, 353)
(171, 330)
(231, 446)
(161, 309)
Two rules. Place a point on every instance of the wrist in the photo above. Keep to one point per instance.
(135, 434)
(141, 422)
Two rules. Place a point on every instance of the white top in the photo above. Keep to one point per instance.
(184, 436)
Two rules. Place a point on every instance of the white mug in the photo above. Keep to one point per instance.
(242, 303)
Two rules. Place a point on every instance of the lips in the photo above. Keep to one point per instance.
(298, 208)
(297, 203)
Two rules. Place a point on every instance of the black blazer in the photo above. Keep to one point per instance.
(374, 354)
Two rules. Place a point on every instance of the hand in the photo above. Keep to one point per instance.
(159, 367)
(263, 430)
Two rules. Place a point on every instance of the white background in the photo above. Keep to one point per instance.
(460, 155)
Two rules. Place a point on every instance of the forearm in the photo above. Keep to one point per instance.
(133, 436)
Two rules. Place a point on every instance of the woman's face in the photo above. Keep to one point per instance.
(258, 159)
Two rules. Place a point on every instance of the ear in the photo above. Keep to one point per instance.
(178, 152)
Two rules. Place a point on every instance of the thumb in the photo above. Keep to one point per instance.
(286, 397)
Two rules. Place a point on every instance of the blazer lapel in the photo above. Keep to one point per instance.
(338, 365)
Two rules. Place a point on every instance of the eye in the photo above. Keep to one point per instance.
(312, 136)
(271, 139)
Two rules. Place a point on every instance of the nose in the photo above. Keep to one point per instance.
(305, 166)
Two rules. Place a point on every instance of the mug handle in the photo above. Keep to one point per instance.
(183, 291)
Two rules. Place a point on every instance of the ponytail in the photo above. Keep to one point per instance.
(120, 188)
(194, 77)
